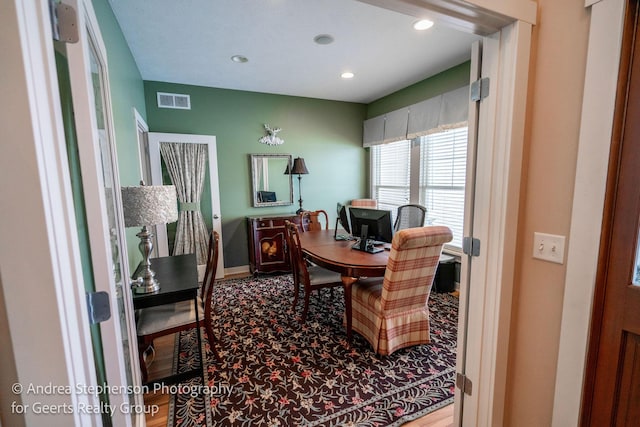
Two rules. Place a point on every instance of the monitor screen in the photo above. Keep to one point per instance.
(343, 217)
(377, 222)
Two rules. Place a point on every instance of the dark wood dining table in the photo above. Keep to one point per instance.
(321, 248)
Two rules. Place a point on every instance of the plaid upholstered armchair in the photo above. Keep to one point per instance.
(392, 312)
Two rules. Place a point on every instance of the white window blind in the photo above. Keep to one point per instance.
(390, 174)
(443, 158)
(438, 176)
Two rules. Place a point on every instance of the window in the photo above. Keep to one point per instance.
(429, 170)
(391, 174)
(443, 160)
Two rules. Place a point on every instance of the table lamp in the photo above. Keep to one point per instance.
(144, 206)
(298, 168)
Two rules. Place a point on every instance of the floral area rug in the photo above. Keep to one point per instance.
(276, 371)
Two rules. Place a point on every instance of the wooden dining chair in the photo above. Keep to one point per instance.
(309, 277)
(310, 220)
(392, 312)
(157, 321)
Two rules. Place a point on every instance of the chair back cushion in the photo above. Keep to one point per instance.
(365, 203)
(411, 267)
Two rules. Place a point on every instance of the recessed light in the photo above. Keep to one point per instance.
(239, 59)
(323, 39)
(423, 24)
(347, 75)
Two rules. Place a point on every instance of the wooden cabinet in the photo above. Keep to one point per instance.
(267, 243)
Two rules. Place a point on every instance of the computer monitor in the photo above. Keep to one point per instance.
(342, 219)
(370, 225)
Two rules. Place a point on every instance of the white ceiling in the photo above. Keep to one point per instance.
(192, 42)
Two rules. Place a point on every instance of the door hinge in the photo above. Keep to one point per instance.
(99, 307)
(480, 89)
(64, 22)
(471, 246)
(464, 384)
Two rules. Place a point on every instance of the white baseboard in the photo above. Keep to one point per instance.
(241, 269)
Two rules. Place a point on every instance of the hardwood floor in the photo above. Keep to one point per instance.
(161, 366)
(440, 418)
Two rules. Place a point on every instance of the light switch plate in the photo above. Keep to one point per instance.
(548, 247)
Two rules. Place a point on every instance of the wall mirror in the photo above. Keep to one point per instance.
(269, 184)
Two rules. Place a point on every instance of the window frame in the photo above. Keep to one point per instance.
(415, 188)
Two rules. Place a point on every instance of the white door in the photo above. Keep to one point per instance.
(45, 328)
(478, 193)
(466, 259)
(101, 188)
(155, 140)
(486, 286)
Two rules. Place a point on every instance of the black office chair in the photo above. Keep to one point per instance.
(410, 216)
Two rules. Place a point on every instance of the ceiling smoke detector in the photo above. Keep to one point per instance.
(239, 59)
(323, 39)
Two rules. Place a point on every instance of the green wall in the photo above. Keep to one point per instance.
(127, 93)
(327, 134)
(448, 80)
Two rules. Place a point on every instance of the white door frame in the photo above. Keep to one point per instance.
(63, 253)
(596, 125)
(501, 136)
(97, 219)
(485, 299)
(155, 138)
(143, 145)
(42, 282)
(499, 163)
(484, 64)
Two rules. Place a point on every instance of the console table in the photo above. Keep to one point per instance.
(267, 243)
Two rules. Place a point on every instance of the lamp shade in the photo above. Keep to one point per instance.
(149, 205)
(299, 168)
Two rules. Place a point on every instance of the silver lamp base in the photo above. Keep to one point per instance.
(146, 283)
(140, 286)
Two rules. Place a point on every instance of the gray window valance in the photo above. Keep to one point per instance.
(395, 125)
(446, 111)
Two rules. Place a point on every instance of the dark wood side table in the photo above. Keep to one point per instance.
(268, 244)
(178, 277)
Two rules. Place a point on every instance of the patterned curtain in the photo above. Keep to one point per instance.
(186, 165)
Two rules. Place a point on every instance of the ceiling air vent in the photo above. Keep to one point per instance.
(174, 100)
